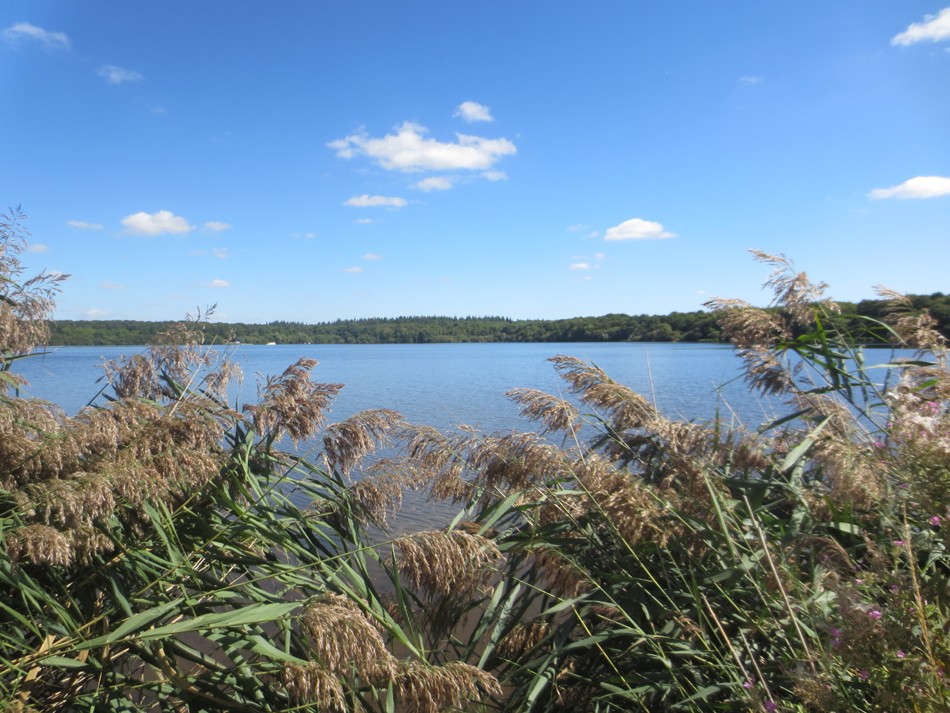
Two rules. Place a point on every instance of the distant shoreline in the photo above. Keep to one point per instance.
(862, 320)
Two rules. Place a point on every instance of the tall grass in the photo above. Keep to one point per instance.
(160, 551)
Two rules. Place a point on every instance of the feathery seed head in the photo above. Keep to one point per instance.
(555, 414)
(445, 562)
(434, 689)
(343, 639)
(348, 442)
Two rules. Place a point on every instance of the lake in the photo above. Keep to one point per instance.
(447, 385)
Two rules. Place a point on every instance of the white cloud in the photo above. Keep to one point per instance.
(751, 80)
(576, 228)
(221, 253)
(593, 234)
(637, 229)
(599, 256)
(97, 313)
(409, 150)
(118, 75)
(435, 183)
(473, 111)
(38, 248)
(365, 221)
(83, 225)
(306, 236)
(164, 221)
(219, 284)
(934, 28)
(918, 187)
(24, 30)
(353, 269)
(372, 256)
(580, 266)
(495, 175)
(112, 286)
(216, 226)
(367, 201)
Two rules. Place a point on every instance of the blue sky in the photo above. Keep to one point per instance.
(310, 161)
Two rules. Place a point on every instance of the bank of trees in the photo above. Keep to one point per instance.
(859, 319)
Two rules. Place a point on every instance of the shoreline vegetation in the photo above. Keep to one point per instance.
(859, 319)
(154, 555)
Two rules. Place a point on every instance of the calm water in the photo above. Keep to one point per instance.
(443, 385)
(447, 385)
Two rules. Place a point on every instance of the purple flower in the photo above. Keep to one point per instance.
(900, 653)
(874, 614)
(835, 636)
(863, 674)
(898, 543)
(936, 520)
(748, 684)
(771, 706)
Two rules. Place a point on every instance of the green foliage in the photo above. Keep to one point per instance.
(678, 326)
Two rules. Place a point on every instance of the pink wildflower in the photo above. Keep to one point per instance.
(936, 520)
(874, 614)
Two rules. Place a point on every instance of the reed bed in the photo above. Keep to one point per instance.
(154, 554)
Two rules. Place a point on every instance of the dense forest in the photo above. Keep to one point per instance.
(699, 326)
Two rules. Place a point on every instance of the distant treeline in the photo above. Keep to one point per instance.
(699, 326)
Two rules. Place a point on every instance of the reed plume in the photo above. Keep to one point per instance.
(445, 562)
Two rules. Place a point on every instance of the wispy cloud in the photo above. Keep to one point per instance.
(25, 31)
(580, 266)
(221, 253)
(365, 221)
(368, 201)
(751, 80)
(918, 187)
(354, 269)
(160, 223)
(934, 28)
(435, 183)
(218, 284)
(372, 256)
(471, 112)
(637, 229)
(495, 176)
(38, 248)
(305, 236)
(216, 226)
(112, 286)
(118, 75)
(96, 313)
(409, 150)
(83, 225)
